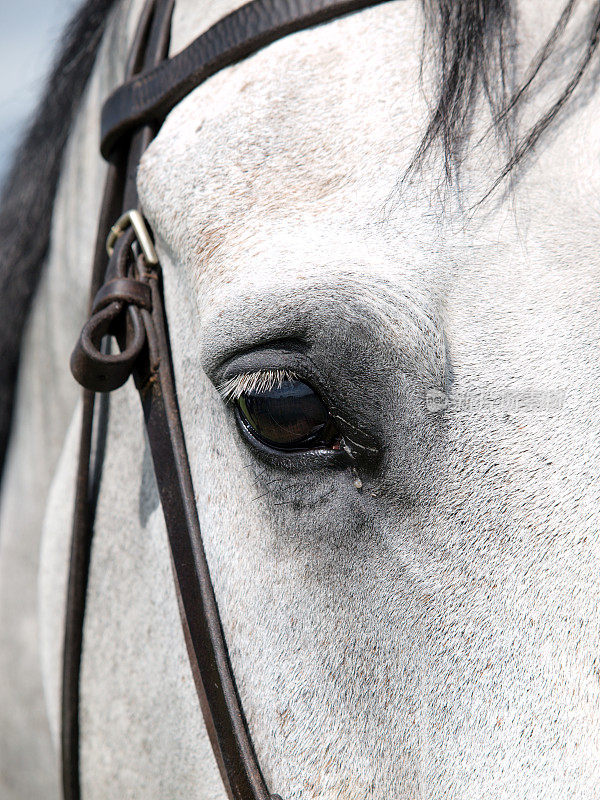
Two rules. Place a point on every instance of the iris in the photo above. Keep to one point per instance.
(288, 416)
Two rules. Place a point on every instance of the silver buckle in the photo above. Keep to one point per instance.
(134, 219)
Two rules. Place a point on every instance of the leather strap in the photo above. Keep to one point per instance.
(127, 304)
(201, 623)
(148, 98)
(155, 17)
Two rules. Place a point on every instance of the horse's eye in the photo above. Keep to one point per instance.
(289, 416)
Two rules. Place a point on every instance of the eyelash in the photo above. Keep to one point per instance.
(260, 381)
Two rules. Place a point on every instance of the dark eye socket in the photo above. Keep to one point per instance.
(290, 416)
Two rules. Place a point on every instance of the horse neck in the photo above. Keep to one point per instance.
(61, 302)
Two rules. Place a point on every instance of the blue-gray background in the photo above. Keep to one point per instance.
(29, 33)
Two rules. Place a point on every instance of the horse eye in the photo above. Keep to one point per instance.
(289, 416)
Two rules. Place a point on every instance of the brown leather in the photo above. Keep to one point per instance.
(125, 290)
(147, 98)
(91, 446)
(115, 313)
(127, 304)
(88, 479)
(204, 638)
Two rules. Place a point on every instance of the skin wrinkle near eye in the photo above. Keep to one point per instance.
(374, 391)
(350, 315)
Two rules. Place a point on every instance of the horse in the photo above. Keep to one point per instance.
(382, 292)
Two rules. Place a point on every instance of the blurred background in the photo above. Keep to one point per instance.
(29, 33)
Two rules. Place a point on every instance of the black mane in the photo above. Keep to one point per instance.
(30, 187)
(474, 43)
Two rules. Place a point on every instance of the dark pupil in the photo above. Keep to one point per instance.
(290, 416)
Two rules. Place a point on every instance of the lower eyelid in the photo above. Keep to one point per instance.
(298, 460)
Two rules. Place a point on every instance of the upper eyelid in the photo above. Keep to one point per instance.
(231, 389)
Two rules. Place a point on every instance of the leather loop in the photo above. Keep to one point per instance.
(116, 312)
(126, 290)
(104, 372)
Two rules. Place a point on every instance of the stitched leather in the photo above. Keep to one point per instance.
(201, 623)
(148, 97)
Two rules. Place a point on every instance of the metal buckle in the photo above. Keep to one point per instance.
(135, 219)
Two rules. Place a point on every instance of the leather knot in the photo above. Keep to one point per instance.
(125, 290)
(116, 313)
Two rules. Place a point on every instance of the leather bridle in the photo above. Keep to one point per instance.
(127, 305)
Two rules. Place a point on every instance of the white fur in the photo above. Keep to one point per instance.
(449, 648)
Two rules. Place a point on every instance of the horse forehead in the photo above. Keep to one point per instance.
(282, 134)
(319, 127)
